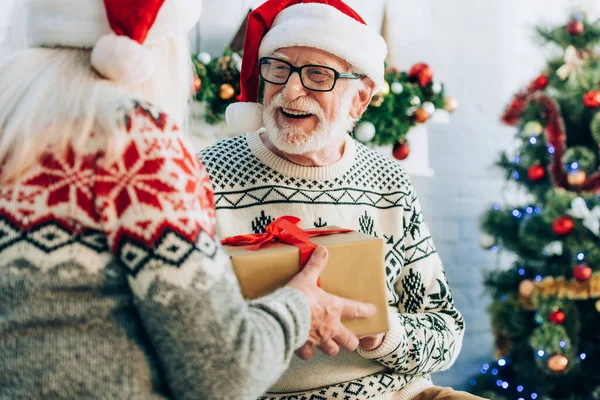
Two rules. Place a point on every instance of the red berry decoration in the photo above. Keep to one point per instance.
(401, 150)
(557, 317)
(422, 72)
(592, 99)
(197, 84)
(575, 27)
(562, 226)
(536, 172)
(582, 272)
(540, 83)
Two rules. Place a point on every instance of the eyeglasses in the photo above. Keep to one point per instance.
(317, 78)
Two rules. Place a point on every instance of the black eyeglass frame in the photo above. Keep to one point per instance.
(337, 75)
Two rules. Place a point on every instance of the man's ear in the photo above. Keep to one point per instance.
(362, 99)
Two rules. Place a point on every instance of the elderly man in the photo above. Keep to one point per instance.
(321, 66)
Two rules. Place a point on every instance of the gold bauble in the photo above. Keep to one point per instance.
(526, 288)
(576, 177)
(226, 91)
(385, 90)
(421, 116)
(598, 306)
(558, 363)
(450, 104)
(377, 100)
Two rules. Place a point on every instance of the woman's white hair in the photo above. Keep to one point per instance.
(51, 98)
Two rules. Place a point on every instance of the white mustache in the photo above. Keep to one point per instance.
(302, 104)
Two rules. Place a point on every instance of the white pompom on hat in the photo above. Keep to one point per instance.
(116, 30)
(328, 25)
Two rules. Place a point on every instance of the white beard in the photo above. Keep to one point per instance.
(293, 140)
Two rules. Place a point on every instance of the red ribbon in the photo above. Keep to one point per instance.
(285, 230)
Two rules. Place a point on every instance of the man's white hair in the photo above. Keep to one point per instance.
(51, 98)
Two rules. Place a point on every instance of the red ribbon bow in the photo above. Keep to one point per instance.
(286, 230)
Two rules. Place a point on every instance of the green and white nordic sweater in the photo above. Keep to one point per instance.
(113, 285)
(372, 194)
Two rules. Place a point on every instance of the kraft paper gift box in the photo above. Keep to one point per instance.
(355, 270)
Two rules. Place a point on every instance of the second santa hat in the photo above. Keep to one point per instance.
(328, 25)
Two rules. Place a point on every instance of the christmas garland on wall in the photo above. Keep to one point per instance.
(406, 100)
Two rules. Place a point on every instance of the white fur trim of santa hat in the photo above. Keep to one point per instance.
(81, 23)
(326, 28)
(84, 24)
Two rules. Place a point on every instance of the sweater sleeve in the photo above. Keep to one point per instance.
(155, 203)
(426, 330)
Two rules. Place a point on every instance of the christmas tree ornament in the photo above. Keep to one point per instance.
(536, 173)
(575, 27)
(377, 100)
(598, 306)
(397, 88)
(421, 116)
(582, 272)
(563, 226)
(572, 64)
(204, 58)
(487, 241)
(538, 319)
(552, 249)
(422, 72)
(592, 99)
(576, 177)
(526, 288)
(557, 317)
(450, 104)
(437, 87)
(365, 131)
(385, 89)
(558, 363)
(415, 101)
(540, 83)
(226, 91)
(591, 218)
(197, 84)
(410, 111)
(401, 150)
(533, 128)
(429, 107)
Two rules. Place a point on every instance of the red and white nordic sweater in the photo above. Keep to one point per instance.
(113, 285)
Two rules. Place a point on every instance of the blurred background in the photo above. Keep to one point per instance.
(482, 52)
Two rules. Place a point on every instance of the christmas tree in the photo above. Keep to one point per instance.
(545, 309)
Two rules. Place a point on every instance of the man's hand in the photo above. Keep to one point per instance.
(327, 332)
(369, 343)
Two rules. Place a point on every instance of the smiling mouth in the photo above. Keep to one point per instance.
(293, 114)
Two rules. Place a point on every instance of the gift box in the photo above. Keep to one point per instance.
(355, 270)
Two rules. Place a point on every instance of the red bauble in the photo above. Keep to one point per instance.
(575, 27)
(563, 226)
(582, 272)
(197, 84)
(557, 317)
(592, 99)
(422, 72)
(401, 150)
(540, 83)
(536, 172)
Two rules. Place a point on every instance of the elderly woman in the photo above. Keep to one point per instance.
(112, 282)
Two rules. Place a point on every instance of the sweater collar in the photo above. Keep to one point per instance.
(288, 168)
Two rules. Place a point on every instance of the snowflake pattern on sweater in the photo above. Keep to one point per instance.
(369, 193)
(113, 284)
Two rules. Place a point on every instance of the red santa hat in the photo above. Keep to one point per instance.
(328, 25)
(115, 29)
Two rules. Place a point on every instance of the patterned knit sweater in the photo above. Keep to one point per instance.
(369, 193)
(113, 286)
